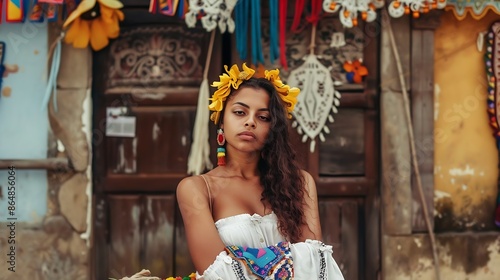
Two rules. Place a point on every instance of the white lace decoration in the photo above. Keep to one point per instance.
(349, 10)
(316, 102)
(398, 8)
(215, 12)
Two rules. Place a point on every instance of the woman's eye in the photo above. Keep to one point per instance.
(265, 118)
(239, 113)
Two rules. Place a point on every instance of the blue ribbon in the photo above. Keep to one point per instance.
(52, 81)
(273, 30)
(241, 21)
(257, 55)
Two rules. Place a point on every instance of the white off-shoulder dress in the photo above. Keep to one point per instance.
(311, 259)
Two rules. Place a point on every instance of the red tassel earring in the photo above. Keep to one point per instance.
(221, 151)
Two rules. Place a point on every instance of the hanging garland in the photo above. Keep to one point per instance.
(349, 10)
(397, 8)
(493, 75)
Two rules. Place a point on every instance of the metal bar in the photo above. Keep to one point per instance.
(55, 164)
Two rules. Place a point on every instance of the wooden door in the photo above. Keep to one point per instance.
(153, 72)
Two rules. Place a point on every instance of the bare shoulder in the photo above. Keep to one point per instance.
(308, 180)
(189, 188)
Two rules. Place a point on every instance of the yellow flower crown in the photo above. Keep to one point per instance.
(234, 78)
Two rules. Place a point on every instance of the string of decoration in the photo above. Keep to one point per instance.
(351, 10)
(398, 8)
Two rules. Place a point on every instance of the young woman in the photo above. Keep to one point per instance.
(256, 214)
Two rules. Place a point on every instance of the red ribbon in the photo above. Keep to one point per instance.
(282, 19)
(299, 7)
(316, 6)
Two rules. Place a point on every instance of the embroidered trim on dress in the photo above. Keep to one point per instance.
(238, 270)
(322, 264)
(272, 262)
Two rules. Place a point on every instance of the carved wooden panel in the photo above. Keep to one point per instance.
(152, 57)
(343, 152)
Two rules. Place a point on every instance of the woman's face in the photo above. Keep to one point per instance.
(247, 119)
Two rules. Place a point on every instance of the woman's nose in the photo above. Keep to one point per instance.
(250, 122)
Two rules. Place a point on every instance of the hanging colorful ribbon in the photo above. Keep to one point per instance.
(153, 6)
(283, 12)
(181, 10)
(241, 11)
(257, 54)
(297, 17)
(273, 30)
(54, 71)
(2, 67)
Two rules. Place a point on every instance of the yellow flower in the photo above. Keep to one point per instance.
(94, 28)
(234, 78)
(287, 94)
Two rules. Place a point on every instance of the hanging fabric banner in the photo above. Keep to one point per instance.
(1, 11)
(14, 11)
(477, 9)
(36, 12)
(168, 7)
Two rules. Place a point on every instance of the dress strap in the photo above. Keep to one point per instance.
(209, 193)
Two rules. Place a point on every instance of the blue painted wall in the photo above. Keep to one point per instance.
(23, 124)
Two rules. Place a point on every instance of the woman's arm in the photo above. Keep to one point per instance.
(203, 238)
(312, 228)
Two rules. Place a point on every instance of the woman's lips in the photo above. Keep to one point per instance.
(246, 135)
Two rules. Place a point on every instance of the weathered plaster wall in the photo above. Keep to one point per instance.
(466, 158)
(23, 123)
(56, 245)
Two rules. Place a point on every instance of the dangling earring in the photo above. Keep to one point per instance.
(221, 151)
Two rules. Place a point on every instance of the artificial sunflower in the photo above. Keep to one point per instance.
(94, 21)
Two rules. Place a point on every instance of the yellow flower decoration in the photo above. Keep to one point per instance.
(288, 94)
(94, 22)
(234, 78)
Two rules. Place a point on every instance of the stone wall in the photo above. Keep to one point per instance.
(59, 246)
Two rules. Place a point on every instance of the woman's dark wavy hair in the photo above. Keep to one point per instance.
(279, 172)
